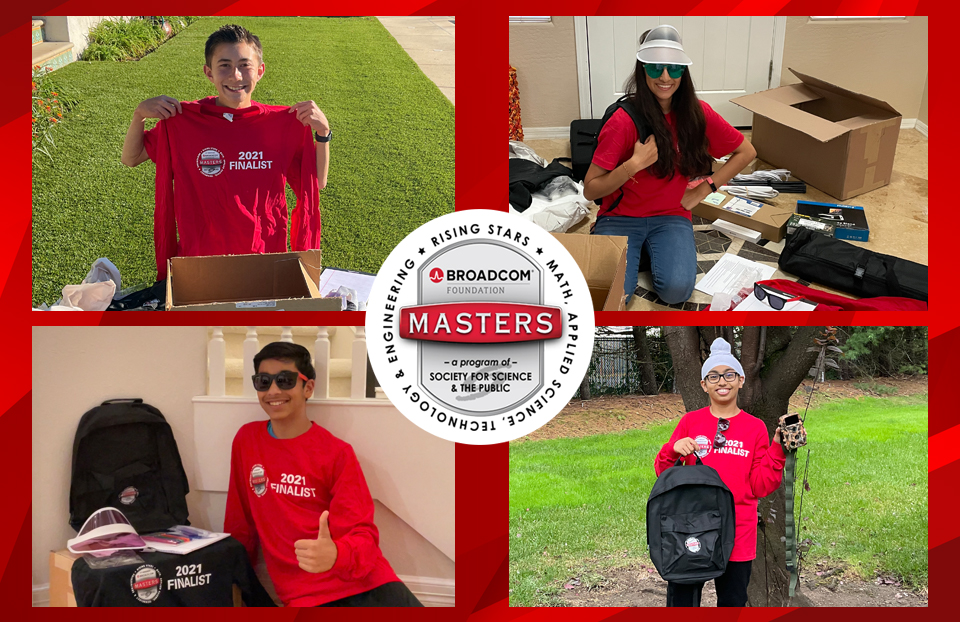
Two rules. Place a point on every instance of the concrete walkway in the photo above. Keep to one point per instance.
(430, 42)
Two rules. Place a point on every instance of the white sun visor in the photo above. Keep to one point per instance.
(105, 531)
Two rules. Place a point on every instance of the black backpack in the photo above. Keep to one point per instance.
(690, 523)
(125, 456)
(585, 134)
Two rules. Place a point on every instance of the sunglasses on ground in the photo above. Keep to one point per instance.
(776, 299)
(286, 380)
(656, 70)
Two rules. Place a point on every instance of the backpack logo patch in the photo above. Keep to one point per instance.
(128, 495)
(692, 544)
(258, 480)
(210, 162)
(145, 583)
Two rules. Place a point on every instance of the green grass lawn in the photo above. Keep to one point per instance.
(392, 158)
(577, 506)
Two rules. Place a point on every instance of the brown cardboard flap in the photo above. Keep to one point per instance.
(597, 255)
(787, 115)
(826, 86)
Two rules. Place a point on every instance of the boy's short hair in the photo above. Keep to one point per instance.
(231, 33)
(285, 351)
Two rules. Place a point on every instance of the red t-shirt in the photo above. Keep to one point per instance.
(651, 196)
(278, 490)
(221, 174)
(749, 466)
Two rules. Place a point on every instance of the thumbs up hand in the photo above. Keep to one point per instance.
(317, 555)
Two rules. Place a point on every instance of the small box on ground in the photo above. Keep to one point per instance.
(798, 221)
(836, 140)
(770, 221)
(736, 231)
(603, 261)
(268, 282)
(849, 221)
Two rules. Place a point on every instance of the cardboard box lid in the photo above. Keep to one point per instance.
(597, 255)
(241, 278)
(778, 104)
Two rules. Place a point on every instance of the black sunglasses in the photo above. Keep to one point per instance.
(776, 302)
(720, 440)
(286, 380)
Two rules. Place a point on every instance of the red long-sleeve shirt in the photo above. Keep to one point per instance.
(749, 466)
(278, 490)
(221, 176)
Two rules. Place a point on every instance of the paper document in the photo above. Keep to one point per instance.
(333, 278)
(745, 207)
(181, 539)
(728, 270)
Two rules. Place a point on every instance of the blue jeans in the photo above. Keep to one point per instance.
(670, 246)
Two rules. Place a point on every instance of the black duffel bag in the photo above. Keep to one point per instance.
(817, 258)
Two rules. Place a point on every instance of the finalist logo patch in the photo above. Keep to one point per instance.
(145, 583)
(258, 480)
(692, 544)
(479, 327)
(210, 162)
(128, 495)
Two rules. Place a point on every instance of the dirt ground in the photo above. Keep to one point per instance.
(641, 586)
(617, 413)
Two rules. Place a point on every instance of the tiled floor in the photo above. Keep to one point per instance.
(430, 42)
(897, 215)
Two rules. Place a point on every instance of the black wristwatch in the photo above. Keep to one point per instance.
(709, 181)
(323, 139)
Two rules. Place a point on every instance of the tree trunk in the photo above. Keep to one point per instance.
(585, 386)
(684, 345)
(769, 579)
(641, 351)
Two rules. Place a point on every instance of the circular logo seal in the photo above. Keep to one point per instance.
(210, 162)
(479, 327)
(128, 495)
(145, 583)
(258, 480)
(703, 443)
(692, 544)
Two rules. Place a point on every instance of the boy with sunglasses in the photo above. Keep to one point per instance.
(735, 444)
(299, 491)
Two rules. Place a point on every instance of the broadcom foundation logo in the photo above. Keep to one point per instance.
(479, 327)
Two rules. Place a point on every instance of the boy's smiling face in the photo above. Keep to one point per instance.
(234, 71)
(724, 391)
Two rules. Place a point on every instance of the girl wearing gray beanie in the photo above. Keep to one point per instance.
(735, 444)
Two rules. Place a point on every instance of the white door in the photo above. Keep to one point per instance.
(732, 56)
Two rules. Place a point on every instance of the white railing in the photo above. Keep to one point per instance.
(218, 361)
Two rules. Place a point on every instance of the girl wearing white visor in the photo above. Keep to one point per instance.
(649, 184)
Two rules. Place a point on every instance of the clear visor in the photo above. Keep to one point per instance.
(106, 530)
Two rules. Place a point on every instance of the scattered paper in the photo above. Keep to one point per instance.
(744, 207)
(715, 198)
(333, 278)
(728, 270)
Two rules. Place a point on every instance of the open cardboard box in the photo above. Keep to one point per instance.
(770, 221)
(836, 140)
(603, 261)
(268, 282)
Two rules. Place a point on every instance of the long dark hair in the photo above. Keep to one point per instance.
(690, 123)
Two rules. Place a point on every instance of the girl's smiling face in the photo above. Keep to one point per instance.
(663, 87)
(724, 391)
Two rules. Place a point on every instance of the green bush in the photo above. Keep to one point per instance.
(50, 103)
(131, 39)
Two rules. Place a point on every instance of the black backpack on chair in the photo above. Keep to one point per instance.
(125, 456)
(690, 523)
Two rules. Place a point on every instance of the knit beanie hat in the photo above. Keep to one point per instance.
(720, 355)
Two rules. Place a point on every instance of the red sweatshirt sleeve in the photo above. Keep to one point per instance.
(351, 520)
(238, 521)
(767, 469)
(157, 143)
(302, 177)
(667, 456)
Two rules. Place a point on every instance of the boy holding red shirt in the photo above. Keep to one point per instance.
(735, 444)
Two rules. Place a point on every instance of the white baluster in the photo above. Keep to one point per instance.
(358, 374)
(287, 334)
(251, 345)
(321, 363)
(217, 363)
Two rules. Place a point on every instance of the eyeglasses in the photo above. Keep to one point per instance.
(720, 440)
(714, 378)
(286, 380)
(776, 298)
(656, 70)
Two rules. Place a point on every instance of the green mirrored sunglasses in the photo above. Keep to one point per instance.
(656, 70)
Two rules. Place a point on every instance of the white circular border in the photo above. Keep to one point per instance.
(381, 334)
